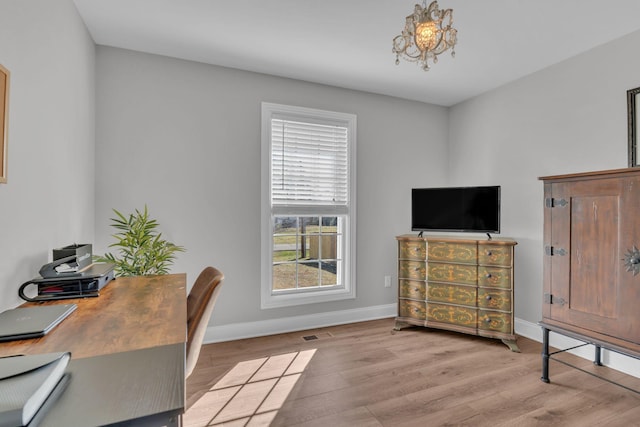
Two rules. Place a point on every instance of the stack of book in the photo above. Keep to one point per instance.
(27, 382)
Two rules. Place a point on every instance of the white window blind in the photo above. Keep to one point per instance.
(309, 164)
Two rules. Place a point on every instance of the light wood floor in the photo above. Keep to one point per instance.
(364, 374)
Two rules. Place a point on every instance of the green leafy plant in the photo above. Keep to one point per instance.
(142, 251)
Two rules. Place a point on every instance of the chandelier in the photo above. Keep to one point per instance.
(427, 33)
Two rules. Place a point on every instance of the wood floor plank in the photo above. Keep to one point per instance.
(366, 374)
(360, 417)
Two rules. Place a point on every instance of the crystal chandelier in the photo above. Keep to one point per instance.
(427, 33)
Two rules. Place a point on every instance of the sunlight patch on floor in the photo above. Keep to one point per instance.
(251, 393)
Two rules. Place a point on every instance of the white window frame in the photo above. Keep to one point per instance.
(269, 298)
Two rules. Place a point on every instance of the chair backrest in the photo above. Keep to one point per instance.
(200, 302)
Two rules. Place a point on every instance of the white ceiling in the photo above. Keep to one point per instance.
(347, 43)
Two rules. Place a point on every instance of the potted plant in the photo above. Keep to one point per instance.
(141, 249)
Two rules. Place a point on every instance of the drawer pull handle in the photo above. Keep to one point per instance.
(489, 253)
(488, 276)
(487, 320)
(488, 297)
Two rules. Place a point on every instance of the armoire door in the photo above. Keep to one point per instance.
(592, 230)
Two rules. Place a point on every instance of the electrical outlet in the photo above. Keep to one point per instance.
(387, 281)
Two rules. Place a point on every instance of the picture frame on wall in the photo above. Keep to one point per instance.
(633, 119)
(4, 121)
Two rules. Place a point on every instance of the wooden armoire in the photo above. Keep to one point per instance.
(591, 238)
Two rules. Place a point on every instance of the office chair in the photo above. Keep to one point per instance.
(200, 302)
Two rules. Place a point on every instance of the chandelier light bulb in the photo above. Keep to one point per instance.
(426, 35)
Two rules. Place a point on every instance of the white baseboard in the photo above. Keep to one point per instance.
(524, 328)
(611, 359)
(261, 328)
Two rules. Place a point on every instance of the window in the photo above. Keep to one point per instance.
(308, 205)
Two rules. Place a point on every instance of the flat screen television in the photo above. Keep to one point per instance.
(459, 209)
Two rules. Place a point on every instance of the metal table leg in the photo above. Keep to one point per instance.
(545, 355)
(598, 358)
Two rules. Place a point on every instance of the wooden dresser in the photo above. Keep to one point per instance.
(458, 284)
(592, 263)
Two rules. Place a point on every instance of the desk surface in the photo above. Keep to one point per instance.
(131, 313)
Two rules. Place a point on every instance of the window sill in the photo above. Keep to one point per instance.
(270, 300)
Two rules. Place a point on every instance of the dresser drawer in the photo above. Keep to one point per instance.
(494, 321)
(455, 294)
(494, 299)
(412, 270)
(461, 316)
(412, 309)
(453, 252)
(494, 277)
(413, 249)
(412, 289)
(494, 255)
(453, 273)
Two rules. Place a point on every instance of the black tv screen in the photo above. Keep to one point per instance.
(463, 209)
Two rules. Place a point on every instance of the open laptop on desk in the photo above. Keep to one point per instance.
(32, 322)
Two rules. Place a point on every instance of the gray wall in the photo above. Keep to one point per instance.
(571, 117)
(184, 138)
(567, 118)
(48, 201)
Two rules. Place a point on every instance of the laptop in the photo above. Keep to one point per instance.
(32, 322)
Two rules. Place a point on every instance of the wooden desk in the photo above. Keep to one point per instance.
(127, 355)
(131, 313)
